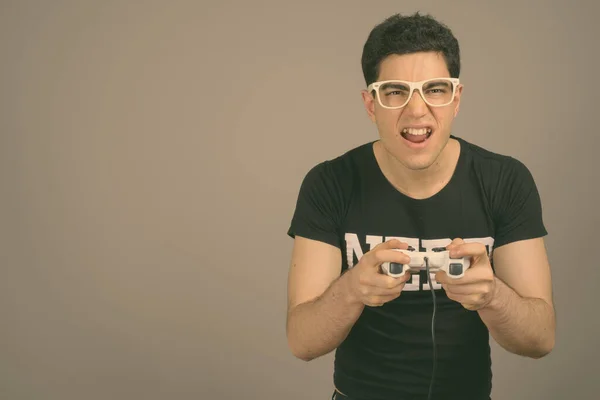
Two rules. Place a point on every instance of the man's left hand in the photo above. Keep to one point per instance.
(476, 288)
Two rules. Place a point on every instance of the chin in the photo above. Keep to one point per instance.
(413, 160)
(416, 157)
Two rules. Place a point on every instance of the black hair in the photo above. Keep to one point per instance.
(400, 35)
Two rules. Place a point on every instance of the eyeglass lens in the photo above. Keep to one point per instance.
(397, 94)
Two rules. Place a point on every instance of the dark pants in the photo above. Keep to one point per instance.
(338, 396)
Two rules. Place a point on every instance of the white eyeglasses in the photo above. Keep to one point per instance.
(394, 94)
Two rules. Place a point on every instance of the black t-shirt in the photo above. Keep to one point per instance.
(348, 203)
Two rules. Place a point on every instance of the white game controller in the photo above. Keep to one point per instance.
(439, 260)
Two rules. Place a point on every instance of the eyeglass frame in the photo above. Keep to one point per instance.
(412, 87)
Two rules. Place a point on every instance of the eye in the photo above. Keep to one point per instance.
(437, 90)
(394, 89)
(438, 87)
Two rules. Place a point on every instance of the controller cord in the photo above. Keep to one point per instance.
(432, 328)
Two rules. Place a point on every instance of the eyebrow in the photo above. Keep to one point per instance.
(437, 83)
(394, 86)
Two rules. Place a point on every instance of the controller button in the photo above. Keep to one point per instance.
(455, 268)
(396, 268)
(438, 249)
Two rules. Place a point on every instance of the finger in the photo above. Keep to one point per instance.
(389, 255)
(374, 291)
(386, 282)
(391, 244)
(476, 250)
(454, 243)
(466, 289)
(388, 248)
(466, 298)
(391, 297)
(475, 273)
(442, 277)
(379, 300)
(461, 298)
(470, 300)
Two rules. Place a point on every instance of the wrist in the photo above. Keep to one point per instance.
(497, 300)
(346, 290)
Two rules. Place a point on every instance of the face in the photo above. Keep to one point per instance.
(392, 124)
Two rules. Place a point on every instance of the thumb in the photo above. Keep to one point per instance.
(455, 242)
(393, 244)
(373, 257)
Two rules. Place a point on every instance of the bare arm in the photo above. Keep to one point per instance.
(515, 303)
(520, 315)
(321, 310)
(324, 305)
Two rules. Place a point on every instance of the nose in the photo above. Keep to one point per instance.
(416, 105)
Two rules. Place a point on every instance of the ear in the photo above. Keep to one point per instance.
(369, 102)
(457, 97)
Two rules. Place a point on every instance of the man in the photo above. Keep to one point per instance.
(419, 186)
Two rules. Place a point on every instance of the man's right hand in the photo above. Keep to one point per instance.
(368, 285)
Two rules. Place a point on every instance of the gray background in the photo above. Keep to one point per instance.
(151, 154)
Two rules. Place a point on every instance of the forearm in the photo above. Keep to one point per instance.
(317, 327)
(523, 326)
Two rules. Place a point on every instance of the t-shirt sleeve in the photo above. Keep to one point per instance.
(319, 206)
(519, 209)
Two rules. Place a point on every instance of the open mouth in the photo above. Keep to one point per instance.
(415, 135)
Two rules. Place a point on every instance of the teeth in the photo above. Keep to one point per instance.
(417, 132)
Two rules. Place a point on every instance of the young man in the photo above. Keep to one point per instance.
(419, 186)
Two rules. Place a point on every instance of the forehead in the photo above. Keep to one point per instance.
(413, 67)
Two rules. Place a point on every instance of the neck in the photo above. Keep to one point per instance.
(419, 184)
